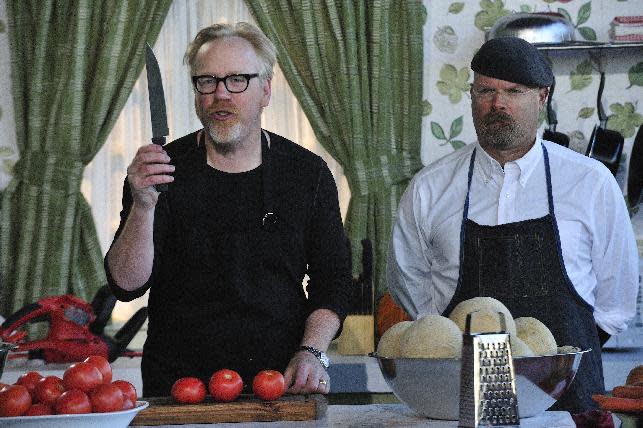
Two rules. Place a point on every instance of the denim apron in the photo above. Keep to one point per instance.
(521, 265)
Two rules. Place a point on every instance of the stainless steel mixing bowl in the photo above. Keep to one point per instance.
(431, 387)
(545, 27)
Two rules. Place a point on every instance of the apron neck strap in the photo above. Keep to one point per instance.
(269, 216)
(550, 198)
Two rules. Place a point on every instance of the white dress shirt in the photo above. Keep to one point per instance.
(598, 245)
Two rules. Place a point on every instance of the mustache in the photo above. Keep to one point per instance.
(497, 116)
(221, 106)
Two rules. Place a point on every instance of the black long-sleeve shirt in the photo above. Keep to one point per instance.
(226, 285)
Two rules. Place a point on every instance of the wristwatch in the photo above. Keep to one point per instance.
(323, 358)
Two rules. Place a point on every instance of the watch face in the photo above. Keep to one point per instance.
(323, 358)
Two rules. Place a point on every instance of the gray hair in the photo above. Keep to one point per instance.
(262, 45)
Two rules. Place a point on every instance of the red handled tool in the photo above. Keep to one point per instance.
(75, 328)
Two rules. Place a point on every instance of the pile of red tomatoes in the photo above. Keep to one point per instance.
(86, 387)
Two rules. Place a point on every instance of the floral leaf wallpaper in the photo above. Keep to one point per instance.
(586, 112)
(437, 131)
(581, 77)
(454, 130)
(582, 17)
(453, 82)
(426, 108)
(456, 7)
(455, 30)
(446, 39)
(625, 119)
(491, 11)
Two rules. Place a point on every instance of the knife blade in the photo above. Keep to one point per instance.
(156, 96)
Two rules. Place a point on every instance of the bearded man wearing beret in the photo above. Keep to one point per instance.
(541, 228)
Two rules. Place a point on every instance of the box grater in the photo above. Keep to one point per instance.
(487, 382)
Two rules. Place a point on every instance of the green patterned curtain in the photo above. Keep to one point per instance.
(356, 69)
(74, 63)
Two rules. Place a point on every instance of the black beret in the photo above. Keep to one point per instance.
(514, 60)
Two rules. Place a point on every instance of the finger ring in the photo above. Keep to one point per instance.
(322, 382)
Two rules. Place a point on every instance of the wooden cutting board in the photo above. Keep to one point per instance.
(247, 408)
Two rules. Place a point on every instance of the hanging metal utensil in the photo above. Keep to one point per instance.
(605, 145)
(550, 133)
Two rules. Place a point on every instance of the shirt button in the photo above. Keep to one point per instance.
(507, 195)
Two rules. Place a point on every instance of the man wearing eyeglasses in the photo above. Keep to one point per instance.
(535, 225)
(225, 249)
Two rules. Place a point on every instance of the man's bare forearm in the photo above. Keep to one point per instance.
(321, 326)
(131, 257)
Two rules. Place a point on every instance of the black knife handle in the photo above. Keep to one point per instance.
(161, 142)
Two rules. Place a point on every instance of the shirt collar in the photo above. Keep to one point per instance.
(526, 164)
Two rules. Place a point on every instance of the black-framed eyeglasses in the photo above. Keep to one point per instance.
(234, 83)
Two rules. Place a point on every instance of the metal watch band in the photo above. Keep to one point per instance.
(321, 356)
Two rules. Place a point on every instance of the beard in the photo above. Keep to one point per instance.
(227, 136)
(224, 139)
(500, 131)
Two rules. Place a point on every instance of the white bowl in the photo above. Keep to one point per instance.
(431, 386)
(87, 420)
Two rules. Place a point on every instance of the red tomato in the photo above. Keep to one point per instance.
(127, 403)
(73, 401)
(29, 380)
(102, 365)
(268, 385)
(14, 400)
(106, 398)
(188, 390)
(83, 376)
(3, 385)
(48, 389)
(225, 385)
(128, 389)
(39, 409)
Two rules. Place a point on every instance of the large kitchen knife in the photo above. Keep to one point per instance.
(157, 102)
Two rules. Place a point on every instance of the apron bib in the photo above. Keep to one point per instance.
(521, 265)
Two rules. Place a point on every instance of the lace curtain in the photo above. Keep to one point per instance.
(103, 178)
